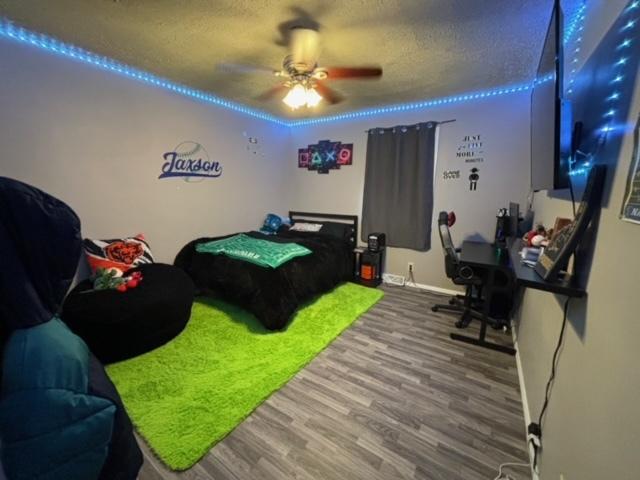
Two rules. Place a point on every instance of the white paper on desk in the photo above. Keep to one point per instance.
(530, 254)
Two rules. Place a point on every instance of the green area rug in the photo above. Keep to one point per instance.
(185, 396)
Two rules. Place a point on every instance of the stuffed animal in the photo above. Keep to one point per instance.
(537, 237)
(106, 279)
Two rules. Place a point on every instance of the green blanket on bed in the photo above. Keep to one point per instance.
(261, 252)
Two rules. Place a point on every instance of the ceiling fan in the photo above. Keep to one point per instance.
(304, 81)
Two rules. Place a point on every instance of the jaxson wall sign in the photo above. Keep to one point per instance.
(190, 161)
(325, 155)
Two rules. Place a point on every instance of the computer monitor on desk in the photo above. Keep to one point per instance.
(514, 218)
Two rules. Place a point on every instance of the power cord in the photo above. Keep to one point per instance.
(411, 279)
(535, 429)
(506, 476)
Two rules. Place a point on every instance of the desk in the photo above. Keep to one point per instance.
(526, 276)
(482, 254)
(504, 272)
(499, 278)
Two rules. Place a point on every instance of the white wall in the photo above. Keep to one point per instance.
(96, 141)
(591, 428)
(502, 122)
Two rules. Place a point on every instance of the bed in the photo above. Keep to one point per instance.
(274, 294)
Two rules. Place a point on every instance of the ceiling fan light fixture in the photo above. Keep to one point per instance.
(299, 96)
(313, 97)
(296, 97)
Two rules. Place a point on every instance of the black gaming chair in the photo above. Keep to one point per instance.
(459, 275)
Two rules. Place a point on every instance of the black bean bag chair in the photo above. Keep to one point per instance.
(120, 325)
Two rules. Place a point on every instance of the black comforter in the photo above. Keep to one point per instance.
(272, 295)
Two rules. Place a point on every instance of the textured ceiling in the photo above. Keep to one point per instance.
(427, 48)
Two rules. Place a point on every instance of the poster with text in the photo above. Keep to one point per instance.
(631, 203)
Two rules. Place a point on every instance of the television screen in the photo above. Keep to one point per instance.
(549, 153)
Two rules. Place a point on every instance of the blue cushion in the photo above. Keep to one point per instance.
(51, 427)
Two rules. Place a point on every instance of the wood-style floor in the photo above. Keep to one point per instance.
(391, 398)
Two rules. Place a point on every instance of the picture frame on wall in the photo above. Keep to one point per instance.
(345, 154)
(630, 211)
(326, 155)
(303, 158)
(556, 255)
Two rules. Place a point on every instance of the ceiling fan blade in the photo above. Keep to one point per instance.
(305, 47)
(354, 72)
(330, 95)
(242, 68)
(272, 92)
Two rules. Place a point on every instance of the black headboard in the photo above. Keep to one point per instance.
(351, 220)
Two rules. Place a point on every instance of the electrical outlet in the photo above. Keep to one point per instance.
(562, 477)
(410, 267)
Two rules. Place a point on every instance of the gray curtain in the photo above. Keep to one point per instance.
(398, 185)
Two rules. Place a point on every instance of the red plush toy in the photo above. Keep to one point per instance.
(134, 280)
(537, 237)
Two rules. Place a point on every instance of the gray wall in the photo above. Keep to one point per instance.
(502, 122)
(96, 141)
(591, 429)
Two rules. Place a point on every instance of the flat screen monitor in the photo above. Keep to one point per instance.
(550, 149)
(514, 219)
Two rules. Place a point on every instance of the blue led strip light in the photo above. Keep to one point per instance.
(630, 15)
(11, 31)
(576, 24)
(417, 105)
(16, 33)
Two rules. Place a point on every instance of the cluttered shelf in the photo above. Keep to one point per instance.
(527, 277)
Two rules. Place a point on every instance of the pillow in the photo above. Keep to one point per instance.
(337, 229)
(121, 254)
(306, 227)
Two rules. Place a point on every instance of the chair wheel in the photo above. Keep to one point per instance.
(500, 326)
(464, 321)
(434, 309)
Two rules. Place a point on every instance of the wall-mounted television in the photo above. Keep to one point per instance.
(550, 116)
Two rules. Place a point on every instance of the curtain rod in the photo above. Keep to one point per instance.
(439, 123)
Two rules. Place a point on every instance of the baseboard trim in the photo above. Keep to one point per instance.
(525, 401)
(431, 288)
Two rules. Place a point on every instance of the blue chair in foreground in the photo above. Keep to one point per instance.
(60, 415)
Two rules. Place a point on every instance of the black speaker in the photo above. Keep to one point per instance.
(376, 242)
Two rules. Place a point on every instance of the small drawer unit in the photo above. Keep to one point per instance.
(370, 262)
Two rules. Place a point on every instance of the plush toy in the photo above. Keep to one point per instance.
(112, 279)
(537, 237)
(273, 223)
